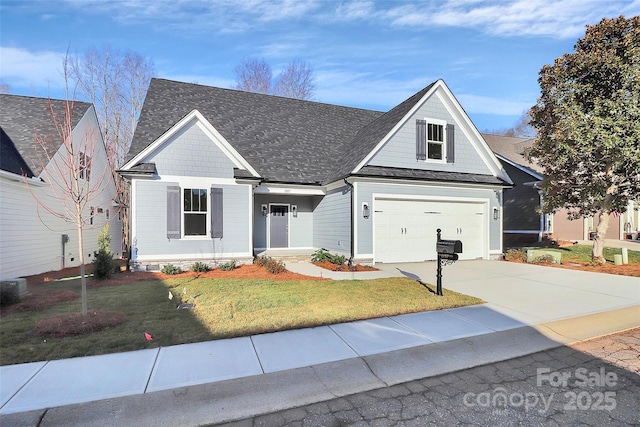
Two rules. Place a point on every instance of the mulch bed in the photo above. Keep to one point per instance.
(68, 324)
(245, 271)
(39, 299)
(344, 267)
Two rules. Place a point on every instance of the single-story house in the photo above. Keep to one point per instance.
(219, 174)
(523, 222)
(32, 239)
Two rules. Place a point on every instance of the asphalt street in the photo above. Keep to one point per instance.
(590, 383)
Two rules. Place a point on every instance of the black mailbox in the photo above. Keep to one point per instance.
(449, 246)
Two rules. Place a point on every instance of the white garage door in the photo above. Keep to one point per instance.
(405, 230)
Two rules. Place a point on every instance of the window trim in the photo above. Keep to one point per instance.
(437, 122)
(206, 213)
(84, 166)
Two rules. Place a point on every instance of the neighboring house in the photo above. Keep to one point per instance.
(32, 240)
(523, 222)
(220, 174)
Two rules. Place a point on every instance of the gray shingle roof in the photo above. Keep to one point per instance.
(512, 148)
(21, 118)
(285, 140)
(429, 175)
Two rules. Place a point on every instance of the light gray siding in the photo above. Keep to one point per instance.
(366, 191)
(400, 150)
(332, 222)
(300, 227)
(191, 153)
(150, 237)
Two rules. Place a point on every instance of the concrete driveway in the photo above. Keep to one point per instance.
(529, 293)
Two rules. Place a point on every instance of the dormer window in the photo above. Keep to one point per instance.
(434, 140)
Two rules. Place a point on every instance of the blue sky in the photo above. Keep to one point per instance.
(366, 54)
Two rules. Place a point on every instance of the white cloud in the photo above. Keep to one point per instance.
(558, 19)
(22, 68)
(198, 16)
(356, 10)
(368, 90)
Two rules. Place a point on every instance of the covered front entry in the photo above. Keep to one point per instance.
(405, 230)
(279, 226)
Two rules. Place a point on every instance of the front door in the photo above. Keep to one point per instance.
(279, 226)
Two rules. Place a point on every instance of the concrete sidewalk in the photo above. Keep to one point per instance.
(529, 308)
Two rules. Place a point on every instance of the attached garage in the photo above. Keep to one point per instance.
(405, 229)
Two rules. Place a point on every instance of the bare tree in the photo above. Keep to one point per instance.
(70, 169)
(116, 83)
(253, 75)
(295, 81)
(521, 129)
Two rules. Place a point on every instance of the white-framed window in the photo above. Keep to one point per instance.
(434, 140)
(84, 166)
(194, 212)
(195, 209)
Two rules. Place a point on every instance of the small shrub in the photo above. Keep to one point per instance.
(103, 264)
(273, 266)
(9, 294)
(228, 266)
(516, 255)
(322, 255)
(171, 269)
(200, 267)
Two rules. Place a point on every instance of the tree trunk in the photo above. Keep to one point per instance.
(83, 278)
(598, 242)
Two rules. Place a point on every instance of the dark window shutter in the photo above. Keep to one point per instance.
(216, 212)
(173, 212)
(451, 144)
(421, 139)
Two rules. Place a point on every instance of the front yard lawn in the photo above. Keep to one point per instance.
(224, 307)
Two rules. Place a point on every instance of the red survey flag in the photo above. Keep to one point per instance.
(148, 336)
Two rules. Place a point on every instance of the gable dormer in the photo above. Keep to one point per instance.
(435, 134)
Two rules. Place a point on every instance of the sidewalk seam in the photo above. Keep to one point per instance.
(153, 368)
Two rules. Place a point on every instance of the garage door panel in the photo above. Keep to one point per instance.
(405, 230)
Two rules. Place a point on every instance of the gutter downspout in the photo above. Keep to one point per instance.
(352, 216)
(542, 216)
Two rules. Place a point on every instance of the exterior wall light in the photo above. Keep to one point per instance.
(294, 210)
(365, 210)
(264, 210)
(496, 214)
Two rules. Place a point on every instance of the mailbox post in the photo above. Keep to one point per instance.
(448, 251)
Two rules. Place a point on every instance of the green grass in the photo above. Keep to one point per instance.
(224, 308)
(582, 254)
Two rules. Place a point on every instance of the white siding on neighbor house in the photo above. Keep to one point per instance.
(29, 247)
(332, 222)
(366, 192)
(400, 150)
(149, 222)
(31, 238)
(191, 153)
